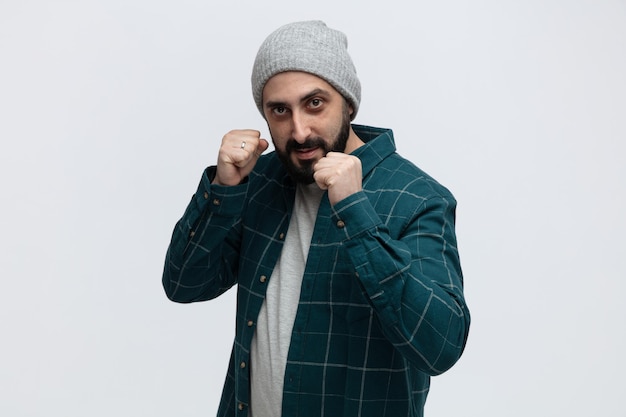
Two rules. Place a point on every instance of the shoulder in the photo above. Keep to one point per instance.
(397, 174)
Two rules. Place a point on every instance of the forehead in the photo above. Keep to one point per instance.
(293, 85)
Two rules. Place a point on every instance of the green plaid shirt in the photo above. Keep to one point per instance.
(381, 306)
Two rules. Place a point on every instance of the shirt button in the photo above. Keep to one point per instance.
(250, 323)
(263, 278)
(240, 406)
(242, 365)
(341, 224)
(216, 202)
(281, 236)
(192, 233)
(206, 195)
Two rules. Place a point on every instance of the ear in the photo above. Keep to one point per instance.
(350, 108)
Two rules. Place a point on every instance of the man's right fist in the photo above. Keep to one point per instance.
(238, 154)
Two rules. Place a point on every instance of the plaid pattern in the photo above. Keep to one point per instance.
(381, 306)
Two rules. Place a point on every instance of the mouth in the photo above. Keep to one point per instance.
(306, 154)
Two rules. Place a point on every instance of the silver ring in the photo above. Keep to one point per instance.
(243, 144)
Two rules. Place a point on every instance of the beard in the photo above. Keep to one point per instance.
(303, 172)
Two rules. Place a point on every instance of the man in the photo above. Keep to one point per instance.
(350, 292)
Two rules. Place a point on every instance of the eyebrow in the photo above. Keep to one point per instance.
(306, 97)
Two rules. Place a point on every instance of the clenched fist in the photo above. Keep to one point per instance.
(339, 173)
(239, 151)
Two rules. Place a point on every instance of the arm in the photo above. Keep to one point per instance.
(412, 279)
(414, 283)
(202, 259)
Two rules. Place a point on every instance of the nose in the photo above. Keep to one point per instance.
(300, 130)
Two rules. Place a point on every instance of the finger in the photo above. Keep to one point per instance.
(256, 148)
(242, 157)
(263, 145)
(250, 151)
(321, 178)
(240, 138)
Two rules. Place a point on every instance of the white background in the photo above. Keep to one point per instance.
(111, 109)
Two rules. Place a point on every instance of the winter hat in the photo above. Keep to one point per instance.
(310, 47)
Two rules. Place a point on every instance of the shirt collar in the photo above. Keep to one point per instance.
(379, 144)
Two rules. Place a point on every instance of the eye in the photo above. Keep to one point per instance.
(279, 110)
(315, 103)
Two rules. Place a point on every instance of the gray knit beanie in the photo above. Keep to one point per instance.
(309, 47)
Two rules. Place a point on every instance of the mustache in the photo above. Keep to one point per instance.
(293, 145)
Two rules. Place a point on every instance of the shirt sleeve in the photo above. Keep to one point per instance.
(201, 260)
(413, 281)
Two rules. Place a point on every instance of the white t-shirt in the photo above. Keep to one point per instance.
(270, 343)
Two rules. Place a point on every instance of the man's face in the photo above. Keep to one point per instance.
(307, 119)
